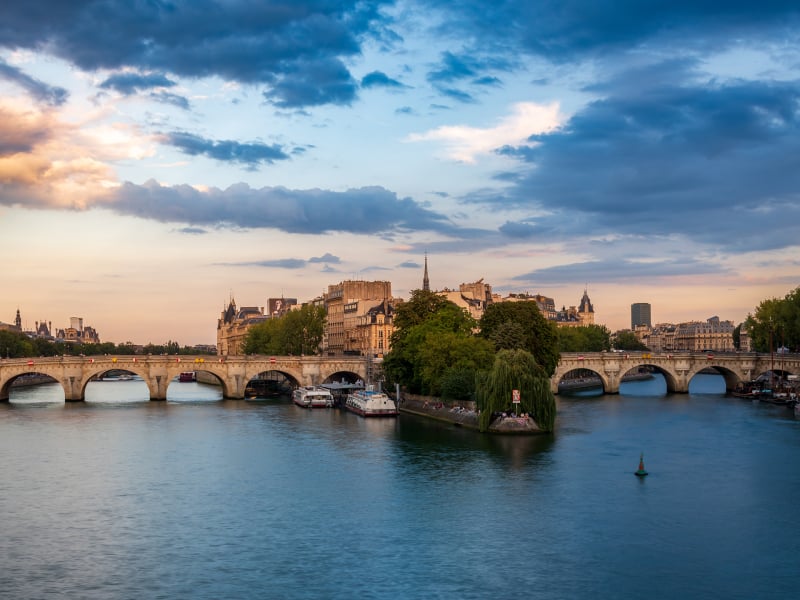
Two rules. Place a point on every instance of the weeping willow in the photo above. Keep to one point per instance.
(515, 370)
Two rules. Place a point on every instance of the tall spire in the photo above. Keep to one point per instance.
(426, 284)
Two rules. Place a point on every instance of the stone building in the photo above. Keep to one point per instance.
(697, 336)
(473, 298)
(348, 324)
(232, 327)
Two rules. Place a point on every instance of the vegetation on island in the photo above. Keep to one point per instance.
(14, 344)
(298, 333)
(775, 323)
(439, 350)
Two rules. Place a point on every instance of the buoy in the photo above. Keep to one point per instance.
(641, 472)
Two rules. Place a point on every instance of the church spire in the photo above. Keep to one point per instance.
(426, 284)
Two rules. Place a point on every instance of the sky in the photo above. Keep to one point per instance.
(158, 158)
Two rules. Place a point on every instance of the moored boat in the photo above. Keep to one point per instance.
(369, 403)
(186, 376)
(312, 397)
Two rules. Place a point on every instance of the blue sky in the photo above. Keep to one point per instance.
(157, 158)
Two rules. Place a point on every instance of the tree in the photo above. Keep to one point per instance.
(587, 338)
(539, 336)
(297, 332)
(451, 351)
(627, 340)
(423, 321)
(515, 370)
(776, 322)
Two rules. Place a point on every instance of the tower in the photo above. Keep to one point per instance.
(426, 284)
(18, 321)
(640, 315)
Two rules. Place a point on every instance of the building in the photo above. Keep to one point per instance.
(473, 298)
(697, 336)
(77, 333)
(233, 325)
(640, 315)
(347, 306)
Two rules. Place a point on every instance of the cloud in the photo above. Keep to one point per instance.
(698, 159)
(380, 79)
(174, 99)
(251, 154)
(593, 29)
(40, 91)
(465, 143)
(131, 83)
(327, 258)
(296, 48)
(366, 210)
(620, 271)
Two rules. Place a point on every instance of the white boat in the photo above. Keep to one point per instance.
(312, 397)
(369, 403)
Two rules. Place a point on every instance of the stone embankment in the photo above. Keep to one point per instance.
(463, 414)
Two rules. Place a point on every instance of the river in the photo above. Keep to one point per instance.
(199, 497)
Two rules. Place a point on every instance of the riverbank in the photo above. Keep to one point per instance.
(464, 414)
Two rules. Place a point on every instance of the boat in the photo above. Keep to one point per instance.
(312, 397)
(369, 403)
(186, 376)
(752, 390)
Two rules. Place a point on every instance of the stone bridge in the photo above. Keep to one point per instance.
(233, 372)
(678, 368)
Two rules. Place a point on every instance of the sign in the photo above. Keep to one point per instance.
(515, 396)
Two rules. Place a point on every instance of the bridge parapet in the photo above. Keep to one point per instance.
(233, 372)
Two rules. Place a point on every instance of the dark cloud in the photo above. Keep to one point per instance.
(459, 95)
(192, 230)
(174, 99)
(225, 150)
(22, 133)
(379, 79)
(619, 271)
(296, 48)
(409, 264)
(366, 210)
(132, 83)
(453, 68)
(577, 29)
(39, 90)
(277, 263)
(325, 258)
(699, 160)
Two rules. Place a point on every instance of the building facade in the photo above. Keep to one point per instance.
(348, 318)
(233, 325)
(640, 315)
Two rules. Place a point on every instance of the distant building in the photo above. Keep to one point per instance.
(233, 325)
(473, 298)
(640, 315)
(347, 307)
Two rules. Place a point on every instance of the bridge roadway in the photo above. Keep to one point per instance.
(234, 372)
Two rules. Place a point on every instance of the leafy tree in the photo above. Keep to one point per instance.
(588, 338)
(297, 332)
(540, 337)
(448, 350)
(435, 318)
(15, 345)
(627, 340)
(515, 370)
(776, 322)
(458, 383)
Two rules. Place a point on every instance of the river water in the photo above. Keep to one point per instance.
(198, 497)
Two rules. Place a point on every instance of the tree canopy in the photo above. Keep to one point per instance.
(776, 320)
(627, 340)
(520, 325)
(587, 338)
(297, 332)
(432, 336)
